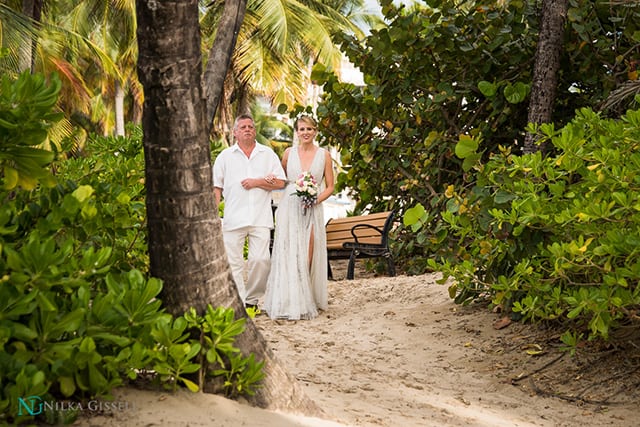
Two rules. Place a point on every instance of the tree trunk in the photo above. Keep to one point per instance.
(221, 53)
(119, 107)
(32, 9)
(186, 249)
(545, 70)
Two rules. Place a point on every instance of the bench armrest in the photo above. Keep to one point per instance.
(357, 226)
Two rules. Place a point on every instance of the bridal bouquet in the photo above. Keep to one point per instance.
(307, 190)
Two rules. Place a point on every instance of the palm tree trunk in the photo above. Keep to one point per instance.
(32, 9)
(547, 64)
(119, 106)
(221, 53)
(186, 249)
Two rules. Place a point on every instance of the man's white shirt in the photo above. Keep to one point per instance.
(243, 208)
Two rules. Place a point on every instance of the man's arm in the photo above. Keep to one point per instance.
(267, 183)
(217, 193)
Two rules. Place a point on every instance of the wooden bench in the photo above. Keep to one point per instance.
(364, 236)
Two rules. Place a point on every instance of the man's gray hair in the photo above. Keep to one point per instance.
(242, 117)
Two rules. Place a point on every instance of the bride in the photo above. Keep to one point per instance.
(297, 284)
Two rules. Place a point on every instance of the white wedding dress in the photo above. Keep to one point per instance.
(293, 290)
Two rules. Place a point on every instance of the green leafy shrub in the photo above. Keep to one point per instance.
(112, 170)
(443, 68)
(556, 237)
(26, 114)
(79, 314)
(217, 331)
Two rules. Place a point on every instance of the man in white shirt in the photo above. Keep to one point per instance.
(244, 176)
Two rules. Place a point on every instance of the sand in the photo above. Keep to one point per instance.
(398, 352)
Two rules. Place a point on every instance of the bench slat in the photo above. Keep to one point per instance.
(380, 217)
(363, 232)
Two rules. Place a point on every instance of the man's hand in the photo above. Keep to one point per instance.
(248, 183)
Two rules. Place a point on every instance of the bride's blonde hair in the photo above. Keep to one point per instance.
(305, 119)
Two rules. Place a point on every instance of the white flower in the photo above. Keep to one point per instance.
(307, 190)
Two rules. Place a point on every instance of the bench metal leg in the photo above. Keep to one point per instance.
(352, 265)
(391, 268)
(329, 272)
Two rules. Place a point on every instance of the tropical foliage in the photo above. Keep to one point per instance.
(92, 46)
(437, 130)
(449, 69)
(54, 42)
(277, 45)
(80, 314)
(556, 237)
(435, 133)
(26, 117)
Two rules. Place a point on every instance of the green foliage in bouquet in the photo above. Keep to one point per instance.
(555, 237)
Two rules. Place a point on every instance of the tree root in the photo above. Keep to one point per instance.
(540, 369)
(579, 396)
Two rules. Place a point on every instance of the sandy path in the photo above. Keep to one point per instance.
(398, 352)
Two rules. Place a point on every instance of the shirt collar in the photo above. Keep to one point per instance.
(258, 147)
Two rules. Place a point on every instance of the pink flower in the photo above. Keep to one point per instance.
(307, 190)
